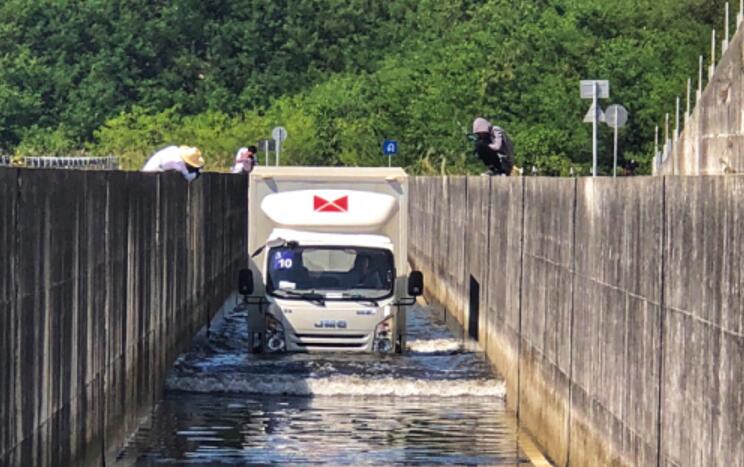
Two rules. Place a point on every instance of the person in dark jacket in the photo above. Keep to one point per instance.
(493, 148)
(630, 167)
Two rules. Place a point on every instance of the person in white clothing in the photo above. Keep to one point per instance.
(245, 160)
(186, 160)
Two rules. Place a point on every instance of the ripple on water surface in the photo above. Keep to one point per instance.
(434, 404)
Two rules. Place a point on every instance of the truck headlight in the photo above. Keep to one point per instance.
(383, 342)
(274, 334)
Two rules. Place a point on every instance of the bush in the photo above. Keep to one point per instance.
(45, 142)
(136, 135)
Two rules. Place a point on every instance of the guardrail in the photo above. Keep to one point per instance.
(81, 163)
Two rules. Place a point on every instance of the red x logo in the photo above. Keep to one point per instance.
(323, 205)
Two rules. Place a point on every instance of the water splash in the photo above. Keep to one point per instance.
(435, 364)
(438, 403)
(435, 346)
(342, 385)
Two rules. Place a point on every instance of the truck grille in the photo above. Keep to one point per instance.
(333, 345)
(331, 341)
(330, 336)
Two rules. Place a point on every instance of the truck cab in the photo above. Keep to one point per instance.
(328, 269)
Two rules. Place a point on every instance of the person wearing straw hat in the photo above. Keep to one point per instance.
(187, 160)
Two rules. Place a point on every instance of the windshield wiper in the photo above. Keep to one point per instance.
(360, 298)
(309, 296)
(275, 243)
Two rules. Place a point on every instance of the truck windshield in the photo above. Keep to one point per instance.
(334, 273)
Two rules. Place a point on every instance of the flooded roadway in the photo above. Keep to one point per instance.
(436, 404)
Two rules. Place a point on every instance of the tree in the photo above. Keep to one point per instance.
(342, 75)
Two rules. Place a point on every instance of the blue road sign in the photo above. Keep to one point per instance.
(390, 147)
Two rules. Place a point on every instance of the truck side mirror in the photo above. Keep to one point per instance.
(245, 282)
(415, 284)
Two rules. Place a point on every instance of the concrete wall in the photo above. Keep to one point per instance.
(503, 287)
(713, 137)
(442, 249)
(547, 285)
(703, 340)
(613, 309)
(615, 347)
(104, 278)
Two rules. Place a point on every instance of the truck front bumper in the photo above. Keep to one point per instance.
(330, 342)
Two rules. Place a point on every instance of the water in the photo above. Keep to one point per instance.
(436, 404)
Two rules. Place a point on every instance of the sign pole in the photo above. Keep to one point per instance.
(278, 148)
(614, 164)
(616, 117)
(278, 134)
(595, 90)
(594, 132)
(389, 148)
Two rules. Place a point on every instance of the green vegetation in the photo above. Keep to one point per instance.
(125, 77)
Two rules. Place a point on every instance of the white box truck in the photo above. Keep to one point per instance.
(329, 268)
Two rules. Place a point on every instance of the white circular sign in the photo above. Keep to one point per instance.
(279, 134)
(616, 116)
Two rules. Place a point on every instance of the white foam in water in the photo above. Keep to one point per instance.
(434, 345)
(337, 385)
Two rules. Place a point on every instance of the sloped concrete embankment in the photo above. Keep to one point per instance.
(712, 142)
(612, 308)
(104, 279)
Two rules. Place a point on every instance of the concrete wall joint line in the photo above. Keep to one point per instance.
(16, 298)
(706, 322)
(626, 292)
(547, 260)
(521, 292)
(107, 252)
(662, 308)
(464, 255)
(721, 136)
(546, 357)
(487, 279)
(571, 320)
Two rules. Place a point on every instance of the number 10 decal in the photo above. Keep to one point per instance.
(283, 259)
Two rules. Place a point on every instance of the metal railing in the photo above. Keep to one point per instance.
(80, 163)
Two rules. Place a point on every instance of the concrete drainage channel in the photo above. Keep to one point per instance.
(526, 442)
(573, 288)
(436, 403)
